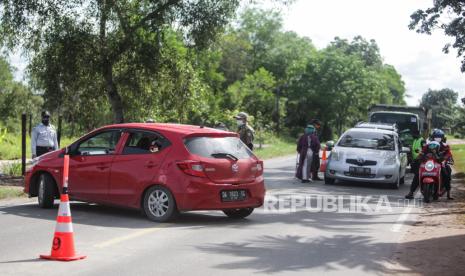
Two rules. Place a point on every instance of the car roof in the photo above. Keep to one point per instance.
(394, 112)
(181, 129)
(387, 126)
(376, 130)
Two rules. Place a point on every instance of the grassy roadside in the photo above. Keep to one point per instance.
(11, 192)
(10, 146)
(275, 147)
(458, 151)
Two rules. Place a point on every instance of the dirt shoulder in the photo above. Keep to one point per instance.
(435, 244)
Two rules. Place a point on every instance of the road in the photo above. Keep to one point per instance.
(304, 241)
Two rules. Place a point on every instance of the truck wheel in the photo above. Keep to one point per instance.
(46, 191)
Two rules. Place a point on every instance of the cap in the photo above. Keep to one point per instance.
(241, 115)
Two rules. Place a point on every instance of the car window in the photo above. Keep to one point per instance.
(209, 146)
(368, 140)
(141, 142)
(100, 144)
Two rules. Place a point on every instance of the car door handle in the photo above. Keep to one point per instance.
(150, 164)
(102, 167)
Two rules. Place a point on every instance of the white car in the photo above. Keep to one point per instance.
(368, 155)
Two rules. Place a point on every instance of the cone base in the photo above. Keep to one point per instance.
(63, 259)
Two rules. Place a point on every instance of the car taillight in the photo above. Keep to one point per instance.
(258, 168)
(193, 168)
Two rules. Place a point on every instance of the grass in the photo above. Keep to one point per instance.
(275, 147)
(12, 169)
(11, 192)
(458, 151)
(10, 146)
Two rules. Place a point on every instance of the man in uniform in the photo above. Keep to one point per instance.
(246, 132)
(44, 137)
(417, 146)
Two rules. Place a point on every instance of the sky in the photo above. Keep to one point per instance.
(417, 57)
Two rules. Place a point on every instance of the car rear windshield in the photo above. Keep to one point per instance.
(212, 147)
(367, 140)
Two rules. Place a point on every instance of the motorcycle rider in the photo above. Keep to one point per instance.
(443, 154)
(417, 146)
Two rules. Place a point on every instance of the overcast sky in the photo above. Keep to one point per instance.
(418, 57)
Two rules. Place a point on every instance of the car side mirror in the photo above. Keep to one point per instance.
(329, 145)
(405, 150)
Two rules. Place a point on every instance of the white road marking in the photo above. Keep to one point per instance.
(129, 237)
(404, 216)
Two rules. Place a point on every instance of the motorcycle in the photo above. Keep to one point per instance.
(431, 180)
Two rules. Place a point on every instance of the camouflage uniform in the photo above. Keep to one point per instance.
(246, 133)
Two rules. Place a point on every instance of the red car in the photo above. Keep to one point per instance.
(159, 168)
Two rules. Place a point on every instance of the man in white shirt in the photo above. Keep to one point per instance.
(44, 137)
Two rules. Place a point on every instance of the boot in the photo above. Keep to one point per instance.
(409, 196)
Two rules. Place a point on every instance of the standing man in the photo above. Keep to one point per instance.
(417, 146)
(246, 132)
(316, 155)
(43, 137)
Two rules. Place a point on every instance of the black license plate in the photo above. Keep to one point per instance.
(233, 195)
(360, 170)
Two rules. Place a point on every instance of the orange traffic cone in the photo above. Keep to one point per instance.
(63, 240)
(323, 161)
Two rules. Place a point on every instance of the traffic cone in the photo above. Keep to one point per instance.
(323, 161)
(63, 240)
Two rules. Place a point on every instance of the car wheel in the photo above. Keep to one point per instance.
(329, 180)
(396, 184)
(238, 213)
(46, 191)
(159, 204)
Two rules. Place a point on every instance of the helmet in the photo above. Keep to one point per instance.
(433, 145)
(437, 133)
(241, 115)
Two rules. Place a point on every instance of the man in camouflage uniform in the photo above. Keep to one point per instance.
(246, 132)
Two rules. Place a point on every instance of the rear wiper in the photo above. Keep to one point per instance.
(224, 155)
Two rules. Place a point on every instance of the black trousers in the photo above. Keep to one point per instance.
(42, 150)
(447, 177)
(415, 167)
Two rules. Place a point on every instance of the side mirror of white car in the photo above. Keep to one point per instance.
(405, 150)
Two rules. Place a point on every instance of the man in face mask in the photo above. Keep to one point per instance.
(246, 132)
(43, 137)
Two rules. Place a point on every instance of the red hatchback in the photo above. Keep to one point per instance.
(159, 168)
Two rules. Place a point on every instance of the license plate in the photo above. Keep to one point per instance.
(233, 195)
(360, 170)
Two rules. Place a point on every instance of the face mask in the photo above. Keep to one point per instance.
(45, 121)
(438, 140)
(239, 122)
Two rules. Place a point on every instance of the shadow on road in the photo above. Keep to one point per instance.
(273, 254)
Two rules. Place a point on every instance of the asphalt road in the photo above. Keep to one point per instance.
(339, 238)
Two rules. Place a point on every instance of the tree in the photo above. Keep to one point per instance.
(110, 34)
(443, 103)
(447, 15)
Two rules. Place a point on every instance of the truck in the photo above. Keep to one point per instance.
(407, 119)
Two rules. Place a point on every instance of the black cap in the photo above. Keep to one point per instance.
(45, 113)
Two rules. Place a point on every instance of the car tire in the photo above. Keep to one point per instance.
(238, 213)
(396, 184)
(46, 191)
(159, 204)
(329, 181)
